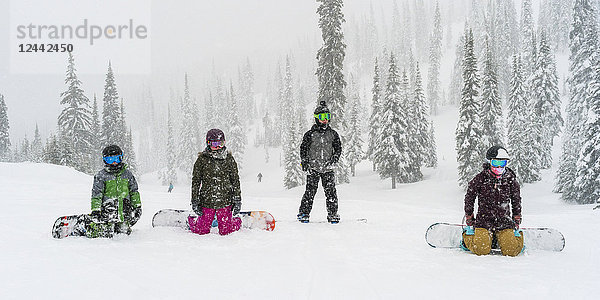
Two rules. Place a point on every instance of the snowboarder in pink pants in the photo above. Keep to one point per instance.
(215, 188)
(227, 223)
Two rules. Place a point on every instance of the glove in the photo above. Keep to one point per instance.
(304, 166)
(517, 219)
(96, 215)
(237, 205)
(469, 230)
(136, 215)
(196, 208)
(330, 164)
(470, 220)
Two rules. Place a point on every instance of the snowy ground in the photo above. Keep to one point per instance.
(385, 258)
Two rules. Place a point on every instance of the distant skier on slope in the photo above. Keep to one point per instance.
(496, 190)
(116, 203)
(319, 152)
(215, 188)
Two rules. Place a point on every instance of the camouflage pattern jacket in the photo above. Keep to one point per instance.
(115, 194)
(215, 180)
(495, 197)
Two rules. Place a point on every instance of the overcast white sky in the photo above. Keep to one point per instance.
(186, 36)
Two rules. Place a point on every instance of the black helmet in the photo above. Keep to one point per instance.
(112, 150)
(322, 108)
(322, 111)
(110, 155)
(497, 152)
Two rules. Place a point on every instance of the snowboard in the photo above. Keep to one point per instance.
(446, 235)
(179, 218)
(68, 226)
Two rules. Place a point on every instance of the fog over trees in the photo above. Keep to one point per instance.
(385, 71)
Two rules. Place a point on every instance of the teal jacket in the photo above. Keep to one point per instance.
(115, 194)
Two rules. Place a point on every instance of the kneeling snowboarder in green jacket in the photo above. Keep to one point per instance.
(116, 203)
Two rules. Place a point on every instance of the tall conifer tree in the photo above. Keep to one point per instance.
(456, 81)
(394, 156)
(294, 176)
(354, 147)
(376, 110)
(468, 131)
(587, 180)
(96, 132)
(75, 121)
(330, 75)
(236, 140)
(188, 145)
(583, 50)
(588, 165)
(522, 130)
(111, 111)
(169, 171)
(547, 104)
(4, 131)
(435, 57)
(422, 137)
(491, 108)
(37, 148)
(527, 39)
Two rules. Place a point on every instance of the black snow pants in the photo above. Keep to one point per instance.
(312, 184)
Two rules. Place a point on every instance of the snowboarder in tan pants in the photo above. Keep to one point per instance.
(481, 242)
(497, 192)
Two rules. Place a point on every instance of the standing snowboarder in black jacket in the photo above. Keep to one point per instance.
(319, 152)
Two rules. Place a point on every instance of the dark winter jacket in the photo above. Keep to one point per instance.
(215, 180)
(495, 197)
(115, 194)
(320, 149)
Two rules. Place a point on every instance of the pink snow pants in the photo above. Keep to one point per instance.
(227, 223)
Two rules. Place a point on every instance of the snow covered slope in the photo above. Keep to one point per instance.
(385, 258)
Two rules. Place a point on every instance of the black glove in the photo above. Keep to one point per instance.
(470, 220)
(136, 215)
(96, 215)
(237, 205)
(304, 166)
(330, 164)
(196, 208)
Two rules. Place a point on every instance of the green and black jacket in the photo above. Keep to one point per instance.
(115, 191)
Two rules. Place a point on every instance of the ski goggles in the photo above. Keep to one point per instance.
(113, 159)
(216, 144)
(323, 116)
(498, 163)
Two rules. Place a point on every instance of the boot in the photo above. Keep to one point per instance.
(333, 219)
(96, 230)
(123, 227)
(303, 218)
